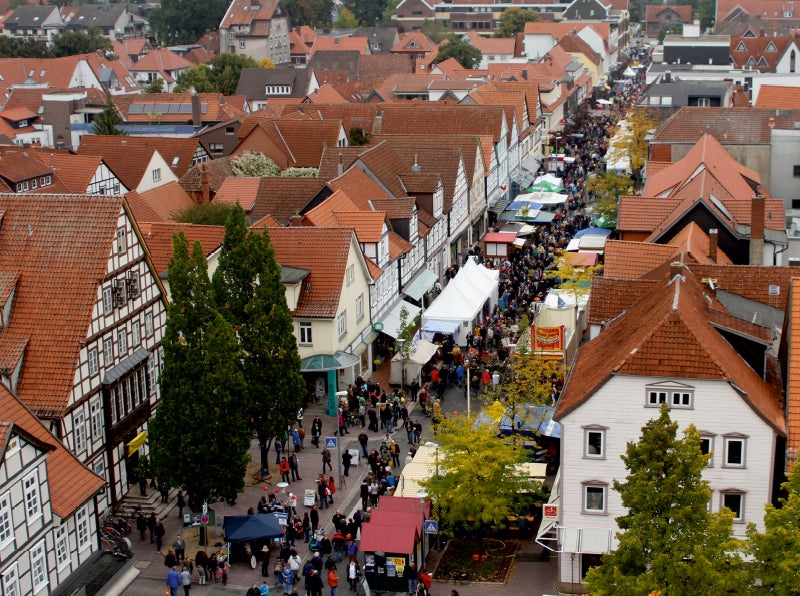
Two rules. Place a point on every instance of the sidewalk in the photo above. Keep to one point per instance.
(528, 578)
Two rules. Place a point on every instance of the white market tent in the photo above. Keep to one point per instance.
(420, 469)
(461, 302)
(543, 198)
(420, 356)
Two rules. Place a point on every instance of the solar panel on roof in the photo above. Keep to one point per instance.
(204, 108)
(136, 109)
(186, 108)
(161, 108)
(174, 108)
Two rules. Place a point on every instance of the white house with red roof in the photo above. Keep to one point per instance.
(161, 64)
(256, 28)
(675, 344)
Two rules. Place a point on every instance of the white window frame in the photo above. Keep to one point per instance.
(709, 437)
(61, 541)
(99, 468)
(122, 341)
(108, 351)
(108, 301)
(306, 335)
(727, 441)
(359, 308)
(737, 519)
(79, 430)
(94, 365)
(82, 528)
(32, 496)
(11, 581)
(588, 431)
(152, 373)
(156, 174)
(148, 324)
(96, 414)
(6, 520)
(594, 485)
(38, 557)
(136, 334)
(676, 396)
(122, 241)
(341, 324)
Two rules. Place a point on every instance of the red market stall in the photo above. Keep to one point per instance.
(498, 244)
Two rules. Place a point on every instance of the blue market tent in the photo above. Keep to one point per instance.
(244, 528)
(534, 420)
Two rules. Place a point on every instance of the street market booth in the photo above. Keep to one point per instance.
(247, 534)
(461, 304)
(419, 357)
(391, 541)
(498, 244)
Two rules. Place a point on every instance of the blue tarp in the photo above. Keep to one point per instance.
(243, 528)
(533, 420)
(597, 231)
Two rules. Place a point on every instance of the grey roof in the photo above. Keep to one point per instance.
(680, 91)
(253, 81)
(293, 275)
(29, 17)
(340, 60)
(104, 16)
(385, 37)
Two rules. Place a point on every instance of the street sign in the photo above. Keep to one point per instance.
(431, 526)
(331, 442)
(205, 519)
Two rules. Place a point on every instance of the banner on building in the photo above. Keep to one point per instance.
(547, 339)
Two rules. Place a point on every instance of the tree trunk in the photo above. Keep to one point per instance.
(264, 443)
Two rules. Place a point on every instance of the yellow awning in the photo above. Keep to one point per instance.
(137, 442)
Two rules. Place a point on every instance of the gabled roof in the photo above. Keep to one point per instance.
(572, 42)
(469, 145)
(177, 152)
(18, 166)
(163, 61)
(323, 251)
(59, 245)
(730, 126)
(215, 171)
(667, 333)
(755, 283)
(177, 107)
(129, 163)
(337, 44)
(70, 483)
(244, 12)
(367, 224)
(683, 12)
(443, 160)
(414, 42)
(777, 97)
(763, 52)
(326, 93)
(75, 172)
(104, 16)
(492, 45)
(162, 203)
(281, 198)
(301, 142)
(30, 17)
(239, 189)
(158, 237)
(356, 183)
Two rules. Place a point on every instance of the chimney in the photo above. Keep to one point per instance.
(757, 230)
(340, 167)
(296, 221)
(197, 111)
(205, 194)
(713, 244)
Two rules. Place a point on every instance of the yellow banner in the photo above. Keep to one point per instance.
(547, 339)
(137, 442)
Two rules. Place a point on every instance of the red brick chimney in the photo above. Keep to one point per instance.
(713, 244)
(757, 230)
(205, 194)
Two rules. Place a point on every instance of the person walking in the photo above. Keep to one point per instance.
(411, 577)
(333, 580)
(352, 576)
(363, 440)
(294, 467)
(181, 505)
(326, 460)
(179, 546)
(159, 532)
(151, 525)
(346, 460)
(141, 525)
(253, 591)
(316, 431)
(315, 583)
(322, 491)
(186, 580)
(173, 581)
(284, 470)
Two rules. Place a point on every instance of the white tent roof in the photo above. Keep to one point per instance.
(464, 296)
(421, 354)
(391, 320)
(421, 468)
(543, 198)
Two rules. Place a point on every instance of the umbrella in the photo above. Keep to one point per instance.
(606, 221)
(586, 231)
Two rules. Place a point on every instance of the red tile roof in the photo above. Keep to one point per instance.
(322, 250)
(59, 245)
(758, 53)
(292, 142)
(158, 237)
(734, 126)
(74, 171)
(242, 190)
(667, 333)
(176, 107)
(776, 97)
(164, 202)
(359, 44)
(791, 339)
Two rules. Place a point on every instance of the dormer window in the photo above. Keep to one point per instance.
(675, 395)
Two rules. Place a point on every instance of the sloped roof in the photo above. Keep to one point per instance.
(414, 42)
(684, 11)
(357, 184)
(128, 162)
(735, 126)
(158, 237)
(608, 297)
(367, 224)
(70, 483)
(326, 93)
(301, 141)
(177, 107)
(324, 252)
(103, 16)
(469, 145)
(74, 171)
(492, 45)
(337, 44)
(29, 17)
(758, 53)
(755, 283)
(667, 333)
(164, 202)
(18, 166)
(59, 245)
(791, 336)
(777, 97)
(442, 160)
(239, 189)
(163, 61)
(216, 171)
(244, 12)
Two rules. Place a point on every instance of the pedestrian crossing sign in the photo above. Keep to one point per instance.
(431, 526)
(330, 442)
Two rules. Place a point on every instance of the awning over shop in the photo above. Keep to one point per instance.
(244, 528)
(423, 282)
(387, 539)
(137, 442)
(391, 321)
(596, 541)
(323, 362)
(436, 326)
(120, 370)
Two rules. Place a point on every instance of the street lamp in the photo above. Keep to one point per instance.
(422, 495)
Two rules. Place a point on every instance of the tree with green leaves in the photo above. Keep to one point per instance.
(316, 13)
(571, 278)
(15, 47)
(200, 435)
(668, 541)
(606, 189)
(464, 52)
(705, 11)
(253, 163)
(300, 173)
(435, 30)
(155, 86)
(227, 68)
(107, 121)
(346, 20)
(71, 43)
(248, 290)
(512, 21)
(186, 21)
(368, 13)
(479, 480)
(775, 568)
(357, 136)
(204, 214)
(198, 77)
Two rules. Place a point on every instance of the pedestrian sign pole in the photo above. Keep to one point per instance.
(335, 443)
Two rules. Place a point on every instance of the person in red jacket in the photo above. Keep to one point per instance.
(285, 469)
